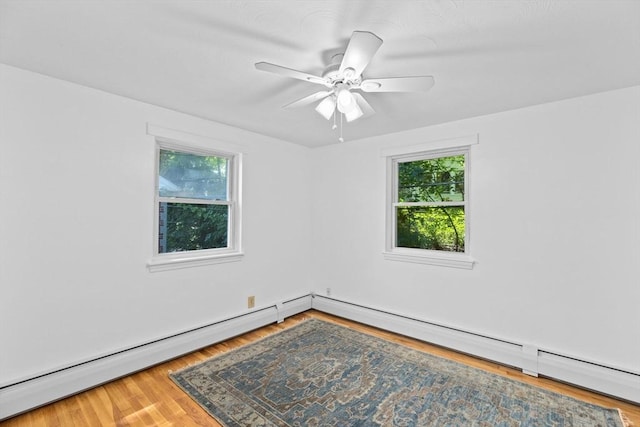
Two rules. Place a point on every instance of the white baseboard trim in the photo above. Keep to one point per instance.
(530, 359)
(38, 391)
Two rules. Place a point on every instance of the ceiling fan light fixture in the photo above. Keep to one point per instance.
(326, 107)
(343, 75)
(346, 102)
(354, 113)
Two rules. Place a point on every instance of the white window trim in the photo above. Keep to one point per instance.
(438, 148)
(171, 139)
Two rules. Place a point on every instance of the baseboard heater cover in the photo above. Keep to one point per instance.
(43, 389)
(612, 381)
(38, 391)
(533, 361)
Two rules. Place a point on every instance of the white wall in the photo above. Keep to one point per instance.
(554, 210)
(555, 214)
(76, 227)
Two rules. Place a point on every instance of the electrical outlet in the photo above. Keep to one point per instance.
(251, 301)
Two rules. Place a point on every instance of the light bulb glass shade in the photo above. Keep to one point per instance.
(345, 100)
(354, 113)
(326, 107)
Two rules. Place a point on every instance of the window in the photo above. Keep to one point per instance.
(427, 212)
(193, 211)
(197, 210)
(430, 203)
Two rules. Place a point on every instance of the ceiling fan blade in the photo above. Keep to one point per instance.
(398, 84)
(288, 72)
(309, 99)
(362, 46)
(367, 109)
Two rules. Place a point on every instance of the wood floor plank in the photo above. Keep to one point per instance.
(98, 399)
(89, 412)
(150, 398)
(70, 413)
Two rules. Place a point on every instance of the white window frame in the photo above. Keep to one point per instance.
(172, 140)
(436, 149)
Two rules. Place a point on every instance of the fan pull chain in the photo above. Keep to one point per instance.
(334, 120)
(341, 139)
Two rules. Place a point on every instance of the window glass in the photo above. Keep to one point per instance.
(193, 176)
(429, 205)
(439, 228)
(192, 227)
(431, 180)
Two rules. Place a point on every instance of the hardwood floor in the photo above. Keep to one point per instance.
(150, 398)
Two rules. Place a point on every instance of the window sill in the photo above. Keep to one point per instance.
(454, 260)
(172, 262)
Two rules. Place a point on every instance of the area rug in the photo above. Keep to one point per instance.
(321, 374)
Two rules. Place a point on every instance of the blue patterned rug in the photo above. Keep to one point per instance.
(321, 374)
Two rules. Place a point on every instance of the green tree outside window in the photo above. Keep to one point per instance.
(430, 206)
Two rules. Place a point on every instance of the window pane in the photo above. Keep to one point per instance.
(189, 227)
(437, 228)
(431, 180)
(193, 176)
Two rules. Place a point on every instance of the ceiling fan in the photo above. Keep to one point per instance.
(344, 76)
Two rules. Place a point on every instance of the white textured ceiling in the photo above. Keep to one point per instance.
(198, 56)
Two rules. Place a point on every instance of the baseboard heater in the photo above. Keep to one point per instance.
(38, 390)
(620, 383)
